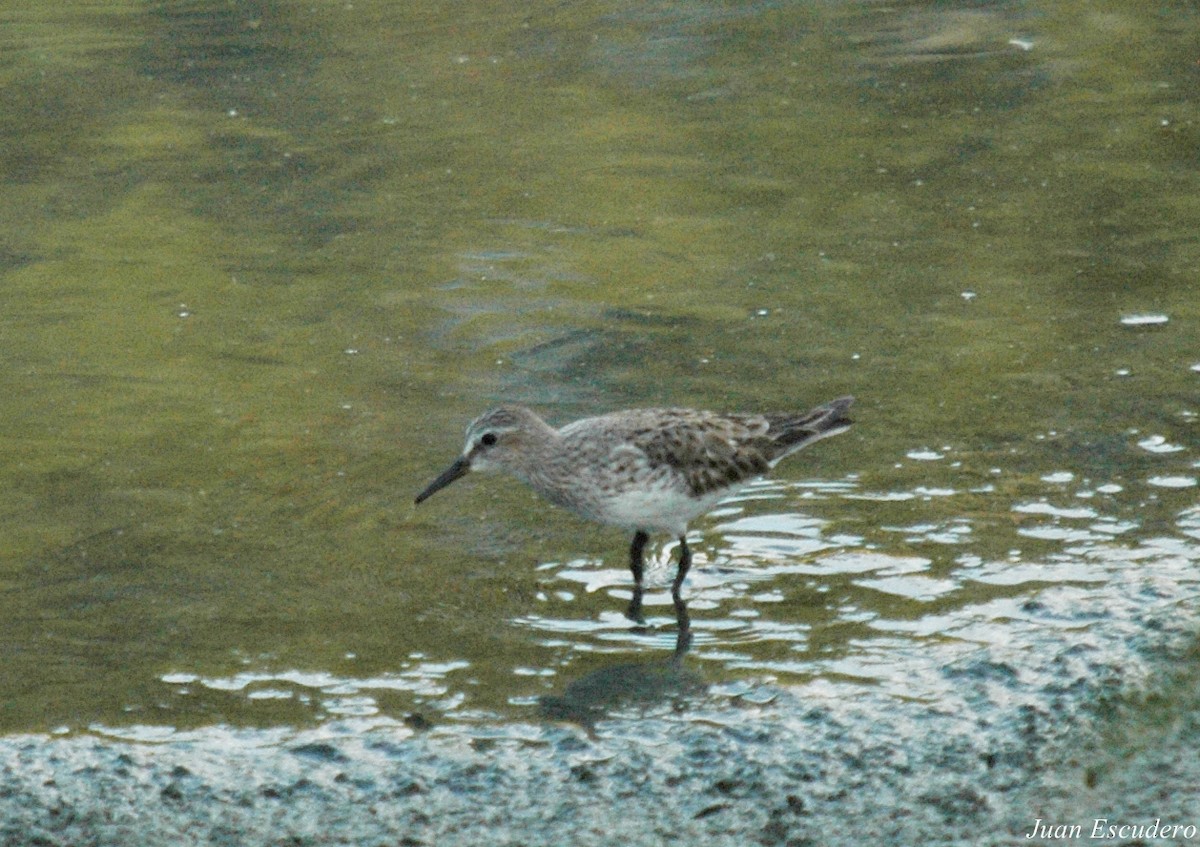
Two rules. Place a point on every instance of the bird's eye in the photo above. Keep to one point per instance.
(487, 439)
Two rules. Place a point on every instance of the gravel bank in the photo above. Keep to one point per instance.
(1059, 733)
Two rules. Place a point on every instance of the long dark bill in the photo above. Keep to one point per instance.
(448, 476)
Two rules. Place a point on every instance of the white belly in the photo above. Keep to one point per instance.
(664, 510)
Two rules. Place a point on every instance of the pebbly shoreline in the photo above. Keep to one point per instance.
(790, 769)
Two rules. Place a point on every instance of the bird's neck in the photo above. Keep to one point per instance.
(545, 472)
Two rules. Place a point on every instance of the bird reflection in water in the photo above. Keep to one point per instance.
(632, 684)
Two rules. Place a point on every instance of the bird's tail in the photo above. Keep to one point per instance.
(791, 432)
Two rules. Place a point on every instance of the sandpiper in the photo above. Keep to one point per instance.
(641, 469)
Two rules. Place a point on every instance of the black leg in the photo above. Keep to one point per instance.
(685, 562)
(683, 636)
(636, 558)
(637, 567)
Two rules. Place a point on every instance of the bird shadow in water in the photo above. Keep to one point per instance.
(631, 684)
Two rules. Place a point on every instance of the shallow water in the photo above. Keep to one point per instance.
(263, 262)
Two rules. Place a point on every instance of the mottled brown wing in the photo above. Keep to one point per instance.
(709, 451)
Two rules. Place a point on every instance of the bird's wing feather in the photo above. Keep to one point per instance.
(707, 450)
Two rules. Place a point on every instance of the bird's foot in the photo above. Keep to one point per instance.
(634, 611)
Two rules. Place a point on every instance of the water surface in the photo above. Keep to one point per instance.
(262, 262)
